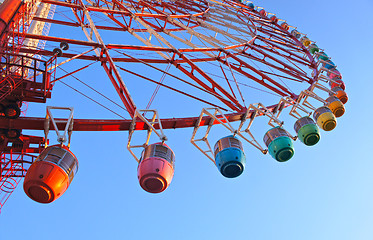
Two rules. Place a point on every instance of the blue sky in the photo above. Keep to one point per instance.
(323, 192)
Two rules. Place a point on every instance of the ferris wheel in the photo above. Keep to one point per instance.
(195, 64)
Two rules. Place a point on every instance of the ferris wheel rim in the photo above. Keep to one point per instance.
(266, 39)
(228, 3)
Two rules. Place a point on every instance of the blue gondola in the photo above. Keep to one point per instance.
(229, 156)
(329, 65)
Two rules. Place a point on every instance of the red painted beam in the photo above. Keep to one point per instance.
(32, 123)
(116, 59)
(125, 11)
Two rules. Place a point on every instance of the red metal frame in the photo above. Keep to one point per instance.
(32, 123)
(26, 78)
(269, 45)
(13, 167)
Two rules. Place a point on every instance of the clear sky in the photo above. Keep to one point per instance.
(324, 192)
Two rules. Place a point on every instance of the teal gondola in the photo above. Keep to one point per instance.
(279, 144)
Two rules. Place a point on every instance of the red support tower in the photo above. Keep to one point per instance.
(23, 78)
(13, 167)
